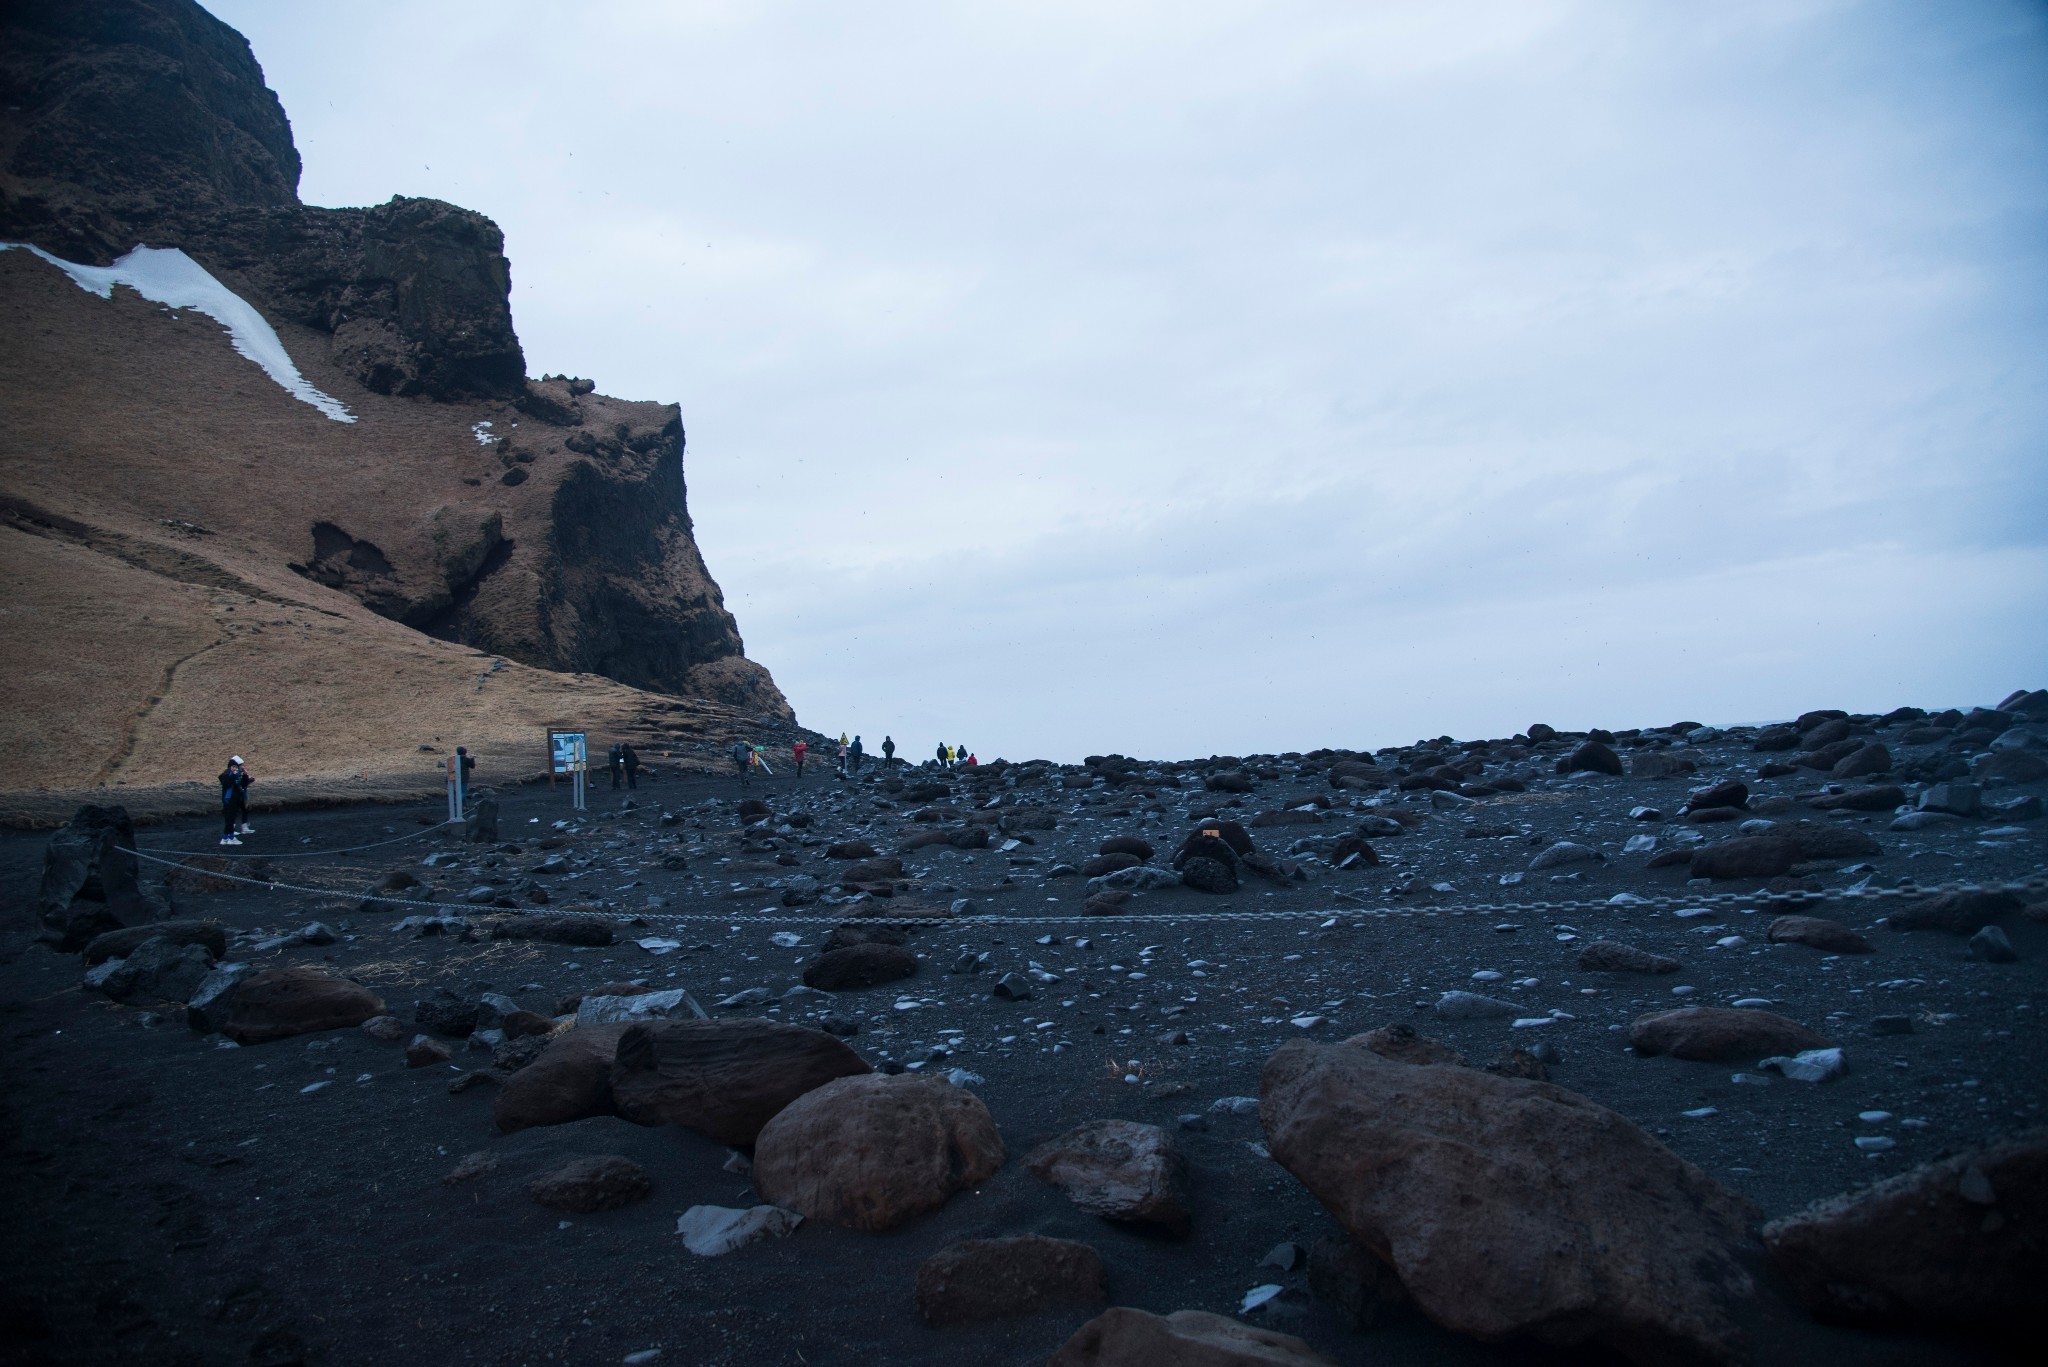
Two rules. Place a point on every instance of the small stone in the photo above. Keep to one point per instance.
(1565, 852)
(471, 1167)
(1472, 1006)
(1286, 1257)
(712, 1231)
(384, 1029)
(1875, 1143)
(1810, 1065)
(425, 1051)
(1992, 946)
(1012, 987)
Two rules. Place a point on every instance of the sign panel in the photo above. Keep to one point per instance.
(568, 752)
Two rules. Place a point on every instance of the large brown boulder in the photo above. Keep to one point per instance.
(724, 1078)
(1126, 1337)
(989, 1279)
(875, 1151)
(299, 1000)
(1713, 1033)
(1119, 1169)
(1747, 856)
(570, 1080)
(1510, 1207)
(1958, 1245)
(864, 965)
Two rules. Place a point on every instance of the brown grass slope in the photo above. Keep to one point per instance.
(162, 603)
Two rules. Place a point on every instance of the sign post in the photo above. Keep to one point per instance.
(568, 753)
(454, 789)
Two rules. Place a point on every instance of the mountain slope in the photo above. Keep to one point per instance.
(157, 487)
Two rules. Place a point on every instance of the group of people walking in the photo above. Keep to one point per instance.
(849, 753)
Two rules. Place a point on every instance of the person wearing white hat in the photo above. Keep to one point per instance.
(234, 802)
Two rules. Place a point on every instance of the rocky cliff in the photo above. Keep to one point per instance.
(538, 521)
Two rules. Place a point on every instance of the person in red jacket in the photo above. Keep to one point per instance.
(799, 750)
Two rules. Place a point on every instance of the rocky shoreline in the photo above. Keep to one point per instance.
(1650, 1044)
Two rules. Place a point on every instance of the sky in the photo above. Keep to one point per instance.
(1188, 378)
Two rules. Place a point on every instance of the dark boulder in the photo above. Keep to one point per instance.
(1134, 845)
(1592, 757)
(1954, 1246)
(1207, 875)
(1731, 792)
(1818, 932)
(855, 966)
(977, 1280)
(91, 882)
(119, 944)
(1881, 798)
(1749, 856)
(1958, 913)
(590, 932)
(159, 970)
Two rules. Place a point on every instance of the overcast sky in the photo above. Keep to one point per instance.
(1192, 378)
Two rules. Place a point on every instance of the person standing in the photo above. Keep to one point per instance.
(616, 764)
(629, 759)
(797, 752)
(234, 802)
(853, 753)
(940, 753)
(743, 760)
(888, 751)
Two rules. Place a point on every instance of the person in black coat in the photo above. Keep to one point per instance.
(629, 759)
(234, 802)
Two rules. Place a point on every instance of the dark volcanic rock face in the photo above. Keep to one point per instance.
(148, 121)
(118, 110)
(126, 122)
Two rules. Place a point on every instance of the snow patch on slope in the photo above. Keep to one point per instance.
(165, 275)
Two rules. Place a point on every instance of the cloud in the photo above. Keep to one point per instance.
(1227, 377)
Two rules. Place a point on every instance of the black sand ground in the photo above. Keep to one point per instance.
(176, 1200)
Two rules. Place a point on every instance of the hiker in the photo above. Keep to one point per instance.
(465, 764)
(629, 758)
(234, 802)
(798, 751)
(941, 753)
(888, 751)
(853, 757)
(743, 759)
(616, 763)
(972, 761)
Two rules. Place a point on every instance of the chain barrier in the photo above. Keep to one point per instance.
(295, 854)
(2031, 883)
